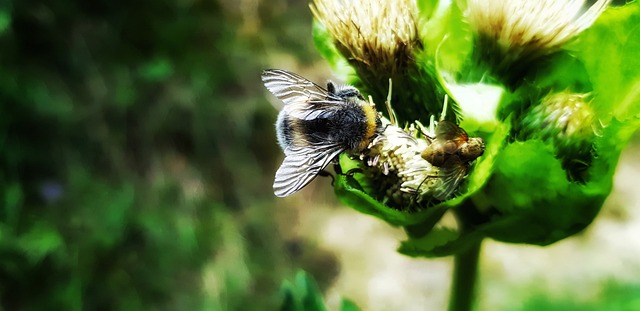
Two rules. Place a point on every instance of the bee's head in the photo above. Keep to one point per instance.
(346, 92)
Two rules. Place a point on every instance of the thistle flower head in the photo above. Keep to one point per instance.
(402, 178)
(380, 40)
(521, 30)
(371, 33)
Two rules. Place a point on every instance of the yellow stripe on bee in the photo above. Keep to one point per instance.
(372, 116)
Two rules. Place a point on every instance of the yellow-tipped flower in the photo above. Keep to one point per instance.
(510, 31)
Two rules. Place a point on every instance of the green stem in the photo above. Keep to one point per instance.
(465, 273)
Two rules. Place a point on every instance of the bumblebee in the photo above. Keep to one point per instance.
(316, 125)
(453, 151)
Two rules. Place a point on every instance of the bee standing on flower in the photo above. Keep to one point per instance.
(316, 125)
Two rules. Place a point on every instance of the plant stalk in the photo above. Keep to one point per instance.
(465, 274)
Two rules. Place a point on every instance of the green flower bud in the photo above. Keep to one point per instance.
(567, 121)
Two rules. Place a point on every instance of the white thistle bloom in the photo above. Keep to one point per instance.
(402, 178)
(523, 30)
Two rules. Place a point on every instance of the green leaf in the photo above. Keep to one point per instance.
(446, 34)
(40, 241)
(558, 72)
(494, 142)
(348, 305)
(437, 243)
(302, 295)
(613, 296)
(530, 196)
(615, 68)
(350, 192)
(289, 302)
(536, 203)
(427, 7)
(530, 172)
(157, 69)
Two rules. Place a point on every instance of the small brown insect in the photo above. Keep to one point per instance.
(453, 151)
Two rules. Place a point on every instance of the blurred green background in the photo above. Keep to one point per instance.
(137, 155)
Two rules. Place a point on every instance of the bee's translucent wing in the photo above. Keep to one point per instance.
(302, 98)
(447, 130)
(452, 172)
(301, 165)
(292, 88)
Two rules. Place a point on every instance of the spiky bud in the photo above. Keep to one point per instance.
(567, 121)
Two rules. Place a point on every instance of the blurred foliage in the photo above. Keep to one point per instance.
(304, 295)
(135, 148)
(613, 297)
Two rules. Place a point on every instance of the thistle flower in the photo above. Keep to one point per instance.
(567, 121)
(512, 33)
(400, 177)
(380, 39)
(369, 33)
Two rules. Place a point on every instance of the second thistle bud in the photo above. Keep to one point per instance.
(566, 120)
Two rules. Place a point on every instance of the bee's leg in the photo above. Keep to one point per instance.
(338, 169)
(354, 171)
(429, 139)
(324, 173)
(336, 166)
